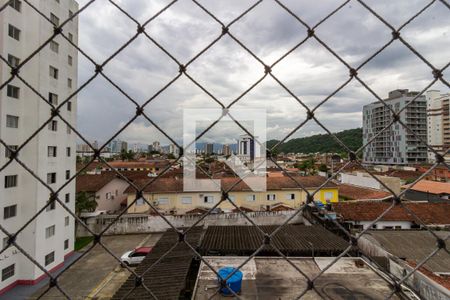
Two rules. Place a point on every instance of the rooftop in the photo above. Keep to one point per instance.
(175, 185)
(428, 213)
(275, 278)
(353, 192)
(429, 186)
(413, 245)
(94, 182)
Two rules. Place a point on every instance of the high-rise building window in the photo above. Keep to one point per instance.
(13, 91)
(68, 151)
(51, 151)
(66, 221)
(70, 37)
(69, 131)
(67, 198)
(10, 181)
(51, 205)
(49, 231)
(53, 98)
(9, 211)
(51, 178)
(69, 83)
(69, 106)
(66, 244)
(8, 151)
(53, 125)
(8, 272)
(54, 46)
(13, 60)
(53, 72)
(54, 19)
(12, 121)
(67, 174)
(16, 4)
(49, 258)
(69, 60)
(14, 32)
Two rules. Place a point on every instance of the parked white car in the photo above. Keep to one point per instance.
(135, 256)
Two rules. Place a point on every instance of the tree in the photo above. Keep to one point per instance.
(124, 155)
(84, 202)
(170, 156)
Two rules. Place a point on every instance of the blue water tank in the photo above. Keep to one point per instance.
(234, 282)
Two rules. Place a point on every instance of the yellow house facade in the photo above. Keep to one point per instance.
(168, 197)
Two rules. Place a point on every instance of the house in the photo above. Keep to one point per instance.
(168, 196)
(427, 190)
(107, 188)
(360, 214)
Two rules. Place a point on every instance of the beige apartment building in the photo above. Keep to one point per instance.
(167, 195)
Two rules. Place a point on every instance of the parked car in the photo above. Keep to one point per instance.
(135, 256)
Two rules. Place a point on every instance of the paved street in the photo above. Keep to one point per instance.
(87, 274)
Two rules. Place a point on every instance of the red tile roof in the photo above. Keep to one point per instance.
(432, 187)
(429, 213)
(175, 185)
(353, 192)
(94, 182)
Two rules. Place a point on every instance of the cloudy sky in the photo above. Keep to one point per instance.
(226, 70)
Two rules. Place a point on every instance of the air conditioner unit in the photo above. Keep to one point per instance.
(112, 197)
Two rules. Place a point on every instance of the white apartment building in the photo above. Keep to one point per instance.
(438, 119)
(396, 145)
(50, 154)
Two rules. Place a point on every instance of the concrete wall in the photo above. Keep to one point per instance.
(146, 223)
(366, 180)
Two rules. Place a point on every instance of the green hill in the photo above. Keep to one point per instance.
(322, 143)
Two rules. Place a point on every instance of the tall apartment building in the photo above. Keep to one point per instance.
(50, 154)
(226, 150)
(438, 117)
(396, 145)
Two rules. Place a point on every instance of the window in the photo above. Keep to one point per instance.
(14, 32)
(67, 174)
(8, 151)
(66, 221)
(51, 151)
(163, 200)
(53, 72)
(9, 211)
(67, 198)
(290, 196)
(49, 231)
(140, 201)
(68, 130)
(54, 46)
(68, 152)
(8, 272)
(66, 244)
(49, 258)
(54, 19)
(10, 181)
(251, 197)
(53, 125)
(328, 196)
(69, 106)
(51, 178)
(5, 242)
(186, 200)
(50, 207)
(69, 60)
(70, 37)
(208, 199)
(70, 14)
(16, 4)
(13, 61)
(270, 197)
(12, 121)
(108, 196)
(13, 91)
(69, 83)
